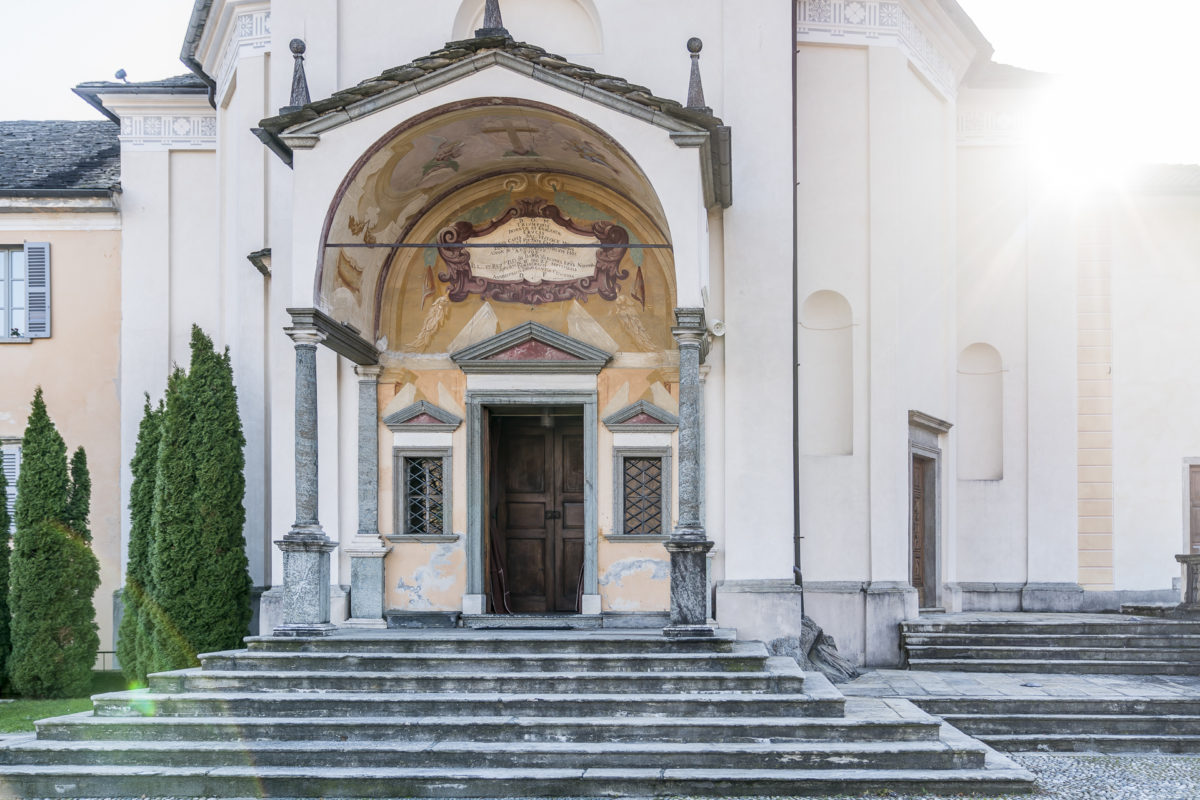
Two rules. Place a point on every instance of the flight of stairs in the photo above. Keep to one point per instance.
(1107, 644)
(461, 713)
(1075, 724)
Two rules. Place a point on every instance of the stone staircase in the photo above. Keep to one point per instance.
(1075, 724)
(462, 713)
(1052, 643)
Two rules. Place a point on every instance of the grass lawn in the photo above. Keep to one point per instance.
(19, 715)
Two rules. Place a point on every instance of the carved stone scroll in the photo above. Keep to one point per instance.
(570, 269)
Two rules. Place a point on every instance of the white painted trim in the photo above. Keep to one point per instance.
(634, 439)
(36, 223)
(410, 439)
(164, 122)
(524, 381)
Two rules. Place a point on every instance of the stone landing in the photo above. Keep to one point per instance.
(469, 713)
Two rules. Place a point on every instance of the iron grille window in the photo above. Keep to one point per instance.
(424, 495)
(643, 480)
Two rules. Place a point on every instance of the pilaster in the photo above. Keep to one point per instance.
(367, 550)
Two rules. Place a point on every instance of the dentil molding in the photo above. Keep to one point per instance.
(876, 22)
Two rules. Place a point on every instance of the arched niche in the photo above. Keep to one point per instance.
(826, 375)
(570, 27)
(472, 162)
(980, 413)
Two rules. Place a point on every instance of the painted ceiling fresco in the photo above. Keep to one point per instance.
(501, 175)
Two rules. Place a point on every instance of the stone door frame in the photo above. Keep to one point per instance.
(924, 441)
(474, 601)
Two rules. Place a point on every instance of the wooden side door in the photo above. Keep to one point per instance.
(524, 466)
(568, 521)
(918, 529)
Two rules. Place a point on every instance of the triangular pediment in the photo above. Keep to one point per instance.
(642, 416)
(531, 347)
(422, 416)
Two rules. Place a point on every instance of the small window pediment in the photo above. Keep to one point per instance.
(422, 416)
(531, 347)
(642, 417)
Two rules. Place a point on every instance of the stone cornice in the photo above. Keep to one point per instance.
(341, 339)
(164, 121)
(933, 40)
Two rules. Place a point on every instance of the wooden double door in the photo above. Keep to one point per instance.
(536, 485)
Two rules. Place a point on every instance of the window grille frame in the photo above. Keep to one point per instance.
(400, 455)
(620, 456)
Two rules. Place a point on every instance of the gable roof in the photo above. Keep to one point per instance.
(90, 91)
(59, 157)
(451, 58)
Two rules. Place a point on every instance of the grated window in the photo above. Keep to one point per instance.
(424, 495)
(643, 496)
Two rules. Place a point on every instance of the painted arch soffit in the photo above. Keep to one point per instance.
(418, 213)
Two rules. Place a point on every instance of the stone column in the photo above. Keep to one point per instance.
(367, 550)
(688, 545)
(305, 547)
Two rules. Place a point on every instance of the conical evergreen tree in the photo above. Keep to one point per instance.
(5, 617)
(220, 593)
(53, 571)
(133, 638)
(172, 549)
(79, 496)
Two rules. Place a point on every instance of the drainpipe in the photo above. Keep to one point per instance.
(797, 571)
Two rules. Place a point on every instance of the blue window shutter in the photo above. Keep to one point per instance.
(10, 462)
(37, 268)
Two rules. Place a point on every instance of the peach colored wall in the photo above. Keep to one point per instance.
(77, 370)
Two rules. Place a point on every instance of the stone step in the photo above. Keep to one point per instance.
(1077, 724)
(534, 622)
(540, 755)
(1145, 706)
(1002, 776)
(879, 727)
(1093, 743)
(745, 657)
(780, 682)
(1052, 653)
(1113, 641)
(470, 641)
(1118, 626)
(1091, 667)
(323, 704)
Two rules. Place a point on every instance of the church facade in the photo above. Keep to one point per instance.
(513, 335)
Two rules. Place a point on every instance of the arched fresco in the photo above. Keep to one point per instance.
(470, 163)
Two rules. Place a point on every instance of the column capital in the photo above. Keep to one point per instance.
(368, 373)
(303, 336)
(690, 319)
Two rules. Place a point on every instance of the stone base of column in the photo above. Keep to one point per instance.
(689, 585)
(366, 582)
(305, 584)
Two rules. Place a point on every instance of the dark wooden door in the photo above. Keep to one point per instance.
(1194, 506)
(539, 472)
(918, 529)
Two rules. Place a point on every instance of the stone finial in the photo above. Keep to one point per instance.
(299, 97)
(695, 97)
(493, 24)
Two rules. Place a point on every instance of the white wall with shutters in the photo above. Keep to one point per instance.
(37, 268)
(10, 461)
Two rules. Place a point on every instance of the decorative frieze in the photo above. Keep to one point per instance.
(169, 131)
(250, 35)
(875, 22)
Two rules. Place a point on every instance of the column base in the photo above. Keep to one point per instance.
(689, 584)
(301, 629)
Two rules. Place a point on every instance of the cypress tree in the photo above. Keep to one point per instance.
(53, 571)
(220, 594)
(79, 496)
(172, 548)
(5, 617)
(133, 638)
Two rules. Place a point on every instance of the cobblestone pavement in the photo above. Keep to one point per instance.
(916, 684)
